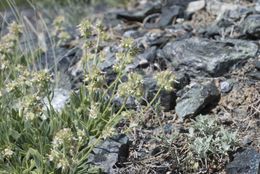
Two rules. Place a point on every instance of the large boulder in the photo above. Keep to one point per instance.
(251, 26)
(208, 57)
(197, 98)
(246, 162)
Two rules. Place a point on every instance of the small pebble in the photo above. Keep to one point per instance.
(155, 151)
(247, 140)
(168, 128)
(226, 86)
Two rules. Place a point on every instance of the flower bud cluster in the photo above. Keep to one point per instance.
(11, 39)
(165, 80)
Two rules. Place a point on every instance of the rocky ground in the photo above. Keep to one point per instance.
(213, 48)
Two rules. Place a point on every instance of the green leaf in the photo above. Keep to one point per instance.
(16, 135)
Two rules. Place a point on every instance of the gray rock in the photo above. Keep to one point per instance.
(133, 33)
(131, 103)
(218, 7)
(165, 18)
(60, 98)
(173, 9)
(156, 150)
(168, 128)
(257, 65)
(165, 12)
(111, 153)
(247, 162)
(257, 6)
(182, 79)
(226, 86)
(176, 2)
(207, 57)
(247, 140)
(110, 60)
(143, 60)
(140, 13)
(251, 26)
(63, 58)
(180, 31)
(168, 13)
(233, 16)
(195, 6)
(255, 75)
(258, 123)
(167, 98)
(197, 98)
(230, 23)
(155, 38)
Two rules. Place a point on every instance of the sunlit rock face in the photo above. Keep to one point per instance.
(60, 98)
(207, 57)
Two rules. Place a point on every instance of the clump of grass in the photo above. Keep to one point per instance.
(35, 138)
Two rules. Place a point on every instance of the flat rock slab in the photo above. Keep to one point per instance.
(197, 98)
(140, 13)
(195, 6)
(208, 57)
(247, 162)
(111, 153)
